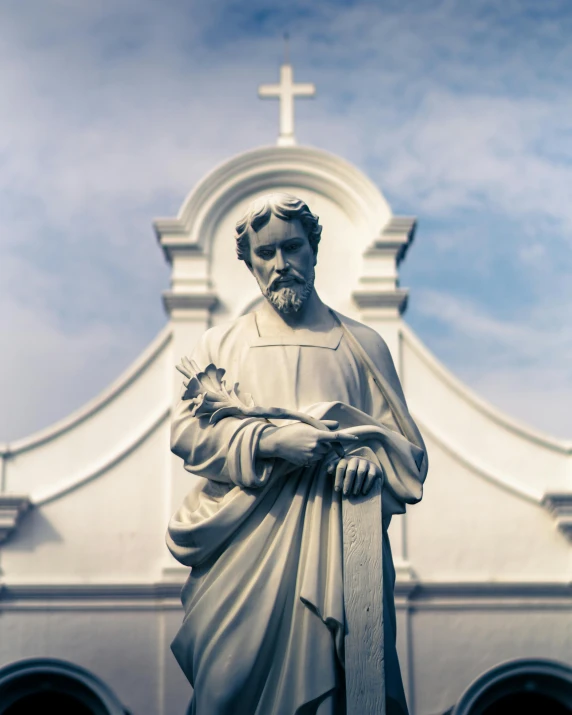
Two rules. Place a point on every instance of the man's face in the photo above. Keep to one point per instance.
(282, 261)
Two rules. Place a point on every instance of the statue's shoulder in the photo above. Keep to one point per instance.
(376, 348)
(370, 340)
(225, 335)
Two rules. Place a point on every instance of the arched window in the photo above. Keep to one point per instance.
(39, 684)
(519, 686)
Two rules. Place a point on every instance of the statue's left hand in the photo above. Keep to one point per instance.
(354, 474)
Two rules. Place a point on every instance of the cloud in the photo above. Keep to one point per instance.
(112, 111)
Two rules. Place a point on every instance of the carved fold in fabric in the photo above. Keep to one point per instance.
(209, 396)
(264, 537)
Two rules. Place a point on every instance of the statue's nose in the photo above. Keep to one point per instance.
(281, 265)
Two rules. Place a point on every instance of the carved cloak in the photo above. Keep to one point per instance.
(264, 610)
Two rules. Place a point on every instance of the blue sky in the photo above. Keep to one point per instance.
(460, 112)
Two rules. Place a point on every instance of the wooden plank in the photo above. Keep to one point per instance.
(363, 601)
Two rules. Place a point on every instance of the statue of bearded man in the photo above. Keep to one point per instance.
(263, 632)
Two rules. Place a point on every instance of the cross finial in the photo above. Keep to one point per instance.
(286, 91)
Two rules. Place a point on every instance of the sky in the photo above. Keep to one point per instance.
(460, 112)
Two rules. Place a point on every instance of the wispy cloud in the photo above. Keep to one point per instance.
(112, 111)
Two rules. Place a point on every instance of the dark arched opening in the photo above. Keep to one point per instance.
(49, 685)
(526, 703)
(60, 703)
(538, 686)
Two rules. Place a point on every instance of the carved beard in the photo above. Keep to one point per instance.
(290, 299)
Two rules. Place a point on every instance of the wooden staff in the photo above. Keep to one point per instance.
(363, 601)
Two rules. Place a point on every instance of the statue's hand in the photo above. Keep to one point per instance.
(354, 474)
(299, 443)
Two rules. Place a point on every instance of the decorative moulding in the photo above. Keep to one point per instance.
(262, 170)
(107, 463)
(481, 470)
(375, 298)
(166, 595)
(189, 301)
(12, 507)
(562, 447)
(560, 506)
(379, 283)
(395, 238)
(133, 372)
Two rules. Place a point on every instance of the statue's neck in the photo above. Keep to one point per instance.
(313, 315)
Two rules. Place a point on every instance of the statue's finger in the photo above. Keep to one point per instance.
(340, 472)
(361, 474)
(337, 437)
(332, 463)
(372, 475)
(351, 470)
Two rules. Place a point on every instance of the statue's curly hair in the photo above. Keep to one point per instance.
(284, 206)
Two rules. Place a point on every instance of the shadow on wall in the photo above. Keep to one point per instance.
(34, 529)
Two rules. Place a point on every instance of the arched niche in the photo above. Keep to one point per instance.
(199, 242)
(540, 685)
(50, 685)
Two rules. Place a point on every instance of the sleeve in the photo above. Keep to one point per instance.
(224, 452)
(402, 453)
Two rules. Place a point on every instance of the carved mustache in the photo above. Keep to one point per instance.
(276, 283)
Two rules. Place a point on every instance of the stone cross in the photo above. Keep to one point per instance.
(286, 91)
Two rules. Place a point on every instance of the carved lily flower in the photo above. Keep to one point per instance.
(208, 395)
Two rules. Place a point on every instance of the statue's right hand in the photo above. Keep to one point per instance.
(299, 443)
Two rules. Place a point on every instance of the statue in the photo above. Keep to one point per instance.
(285, 413)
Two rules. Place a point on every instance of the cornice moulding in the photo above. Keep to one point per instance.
(372, 299)
(133, 372)
(189, 301)
(560, 506)
(481, 470)
(107, 462)
(165, 595)
(441, 372)
(12, 508)
(396, 236)
(260, 170)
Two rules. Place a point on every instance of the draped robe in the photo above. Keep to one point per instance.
(264, 605)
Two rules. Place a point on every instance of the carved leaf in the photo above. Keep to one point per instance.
(208, 394)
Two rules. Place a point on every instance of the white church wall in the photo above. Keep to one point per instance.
(109, 529)
(467, 528)
(473, 428)
(122, 648)
(102, 429)
(453, 646)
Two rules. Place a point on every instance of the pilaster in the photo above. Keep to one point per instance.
(379, 298)
(189, 303)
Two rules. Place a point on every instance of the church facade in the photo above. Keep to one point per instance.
(89, 595)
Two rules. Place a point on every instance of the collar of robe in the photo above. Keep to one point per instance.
(303, 337)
